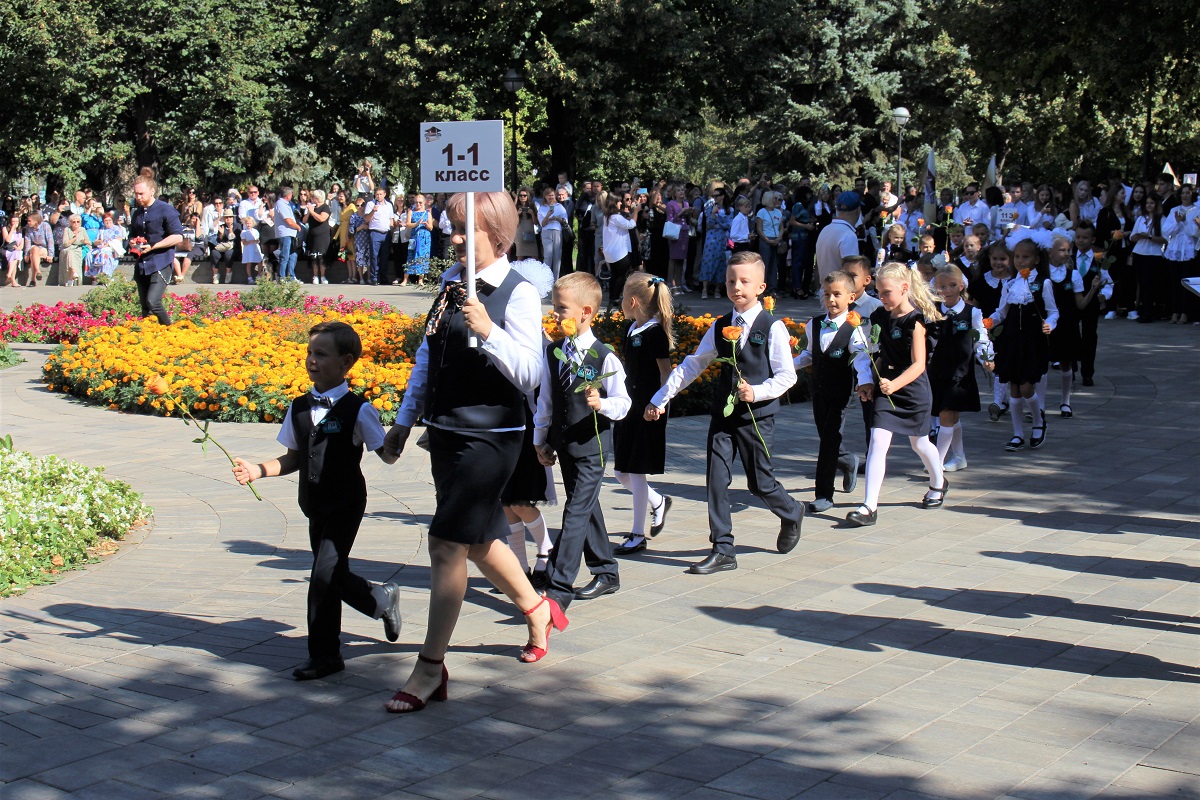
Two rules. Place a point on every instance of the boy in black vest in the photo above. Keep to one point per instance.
(764, 360)
(572, 427)
(324, 432)
(833, 381)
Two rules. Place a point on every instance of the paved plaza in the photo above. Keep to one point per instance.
(1037, 638)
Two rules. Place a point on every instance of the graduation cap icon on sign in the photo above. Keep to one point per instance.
(433, 133)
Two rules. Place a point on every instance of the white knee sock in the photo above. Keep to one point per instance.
(929, 456)
(945, 437)
(957, 443)
(881, 440)
(516, 541)
(541, 540)
(1000, 393)
(1068, 378)
(1039, 395)
(1017, 412)
(637, 486)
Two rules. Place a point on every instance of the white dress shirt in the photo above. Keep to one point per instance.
(615, 405)
(969, 213)
(616, 244)
(368, 429)
(1016, 292)
(739, 229)
(783, 371)
(515, 349)
(1083, 262)
(384, 211)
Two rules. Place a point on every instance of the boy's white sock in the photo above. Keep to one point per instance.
(516, 541)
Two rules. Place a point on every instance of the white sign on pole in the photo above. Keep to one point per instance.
(462, 156)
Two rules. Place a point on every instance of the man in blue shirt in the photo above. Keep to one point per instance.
(286, 229)
(158, 224)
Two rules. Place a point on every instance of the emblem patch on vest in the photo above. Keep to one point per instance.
(758, 338)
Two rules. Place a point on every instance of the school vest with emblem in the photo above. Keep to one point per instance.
(330, 477)
(753, 359)
(833, 369)
(572, 427)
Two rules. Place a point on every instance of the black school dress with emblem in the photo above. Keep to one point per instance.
(1022, 350)
(952, 365)
(640, 447)
(912, 403)
(1065, 341)
(530, 483)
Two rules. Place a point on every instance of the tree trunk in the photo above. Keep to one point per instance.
(143, 141)
(1147, 131)
(560, 123)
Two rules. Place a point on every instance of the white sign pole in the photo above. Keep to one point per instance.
(472, 340)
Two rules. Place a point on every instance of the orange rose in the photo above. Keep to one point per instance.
(731, 333)
(1025, 273)
(768, 303)
(988, 323)
(157, 385)
(949, 209)
(1118, 235)
(794, 342)
(854, 318)
(1098, 255)
(802, 326)
(920, 222)
(569, 326)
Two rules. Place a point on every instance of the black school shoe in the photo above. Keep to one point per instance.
(1036, 440)
(597, 588)
(657, 528)
(312, 670)
(860, 520)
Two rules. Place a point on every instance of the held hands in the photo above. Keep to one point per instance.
(244, 471)
(652, 413)
(545, 454)
(745, 392)
(866, 392)
(476, 317)
(592, 395)
(394, 441)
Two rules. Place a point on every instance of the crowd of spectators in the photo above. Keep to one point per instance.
(680, 231)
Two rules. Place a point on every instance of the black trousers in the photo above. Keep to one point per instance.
(583, 534)
(618, 272)
(587, 251)
(727, 438)
(829, 412)
(1152, 284)
(868, 416)
(1089, 320)
(150, 289)
(331, 582)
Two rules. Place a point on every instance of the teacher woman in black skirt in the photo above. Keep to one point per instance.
(472, 401)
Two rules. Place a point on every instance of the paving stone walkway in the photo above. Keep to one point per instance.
(1038, 638)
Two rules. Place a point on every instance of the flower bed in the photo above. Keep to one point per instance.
(57, 515)
(62, 322)
(245, 368)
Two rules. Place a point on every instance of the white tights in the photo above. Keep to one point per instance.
(951, 436)
(881, 440)
(644, 498)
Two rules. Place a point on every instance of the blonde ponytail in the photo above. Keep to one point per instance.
(918, 292)
(652, 293)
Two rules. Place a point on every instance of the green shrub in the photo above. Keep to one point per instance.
(8, 356)
(116, 293)
(270, 296)
(53, 512)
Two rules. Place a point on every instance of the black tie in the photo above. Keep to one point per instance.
(323, 402)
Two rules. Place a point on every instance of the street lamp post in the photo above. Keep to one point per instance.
(514, 83)
(900, 116)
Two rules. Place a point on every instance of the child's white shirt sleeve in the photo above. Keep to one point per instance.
(688, 370)
(617, 401)
(783, 371)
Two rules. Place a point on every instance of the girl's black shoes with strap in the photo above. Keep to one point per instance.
(936, 502)
(858, 519)
(1014, 444)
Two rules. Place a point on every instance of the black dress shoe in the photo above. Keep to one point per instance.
(850, 474)
(634, 544)
(1088, 382)
(714, 563)
(936, 502)
(665, 505)
(539, 579)
(789, 534)
(597, 588)
(311, 670)
(860, 520)
(391, 612)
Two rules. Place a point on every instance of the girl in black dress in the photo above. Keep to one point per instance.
(640, 446)
(901, 389)
(987, 283)
(961, 338)
(1028, 313)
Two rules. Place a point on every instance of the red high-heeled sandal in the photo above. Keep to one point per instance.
(439, 694)
(531, 653)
